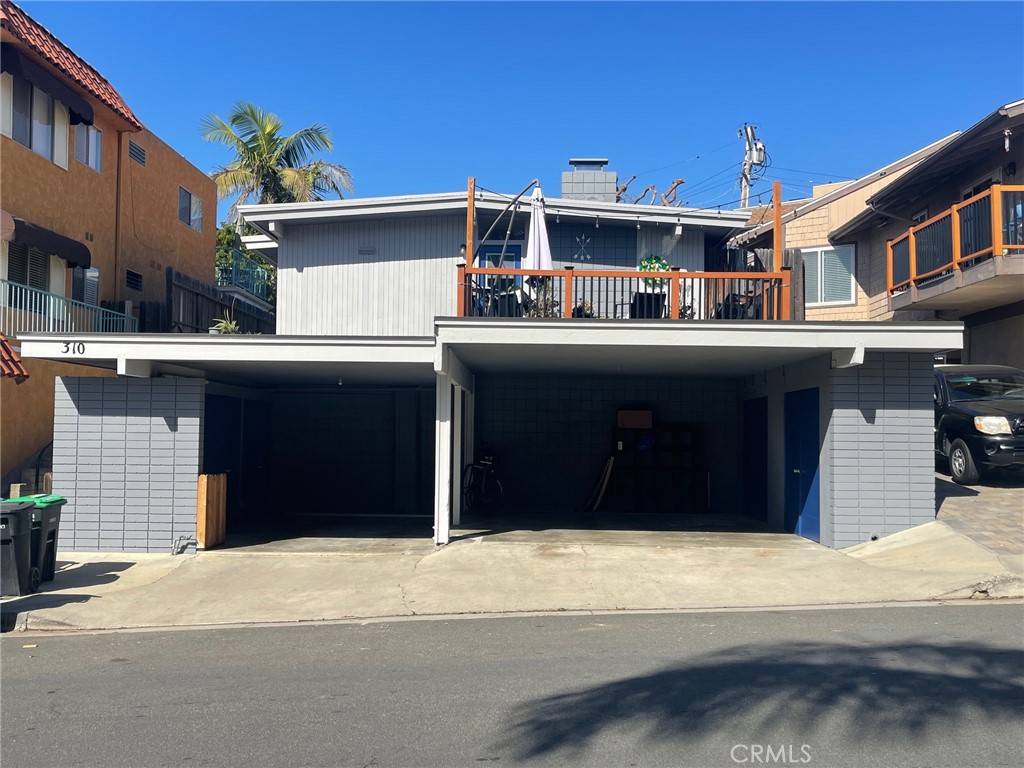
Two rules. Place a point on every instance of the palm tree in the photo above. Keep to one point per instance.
(269, 166)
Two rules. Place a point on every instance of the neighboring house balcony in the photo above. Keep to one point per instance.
(246, 276)
(624, 294)
(30, 310)
(968, 258)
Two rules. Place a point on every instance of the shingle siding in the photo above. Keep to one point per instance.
(881, 446)
(127, 454)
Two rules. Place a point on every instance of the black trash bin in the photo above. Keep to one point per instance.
(45, 528)
(17, 575)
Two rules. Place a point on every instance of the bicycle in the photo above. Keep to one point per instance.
(481, 487)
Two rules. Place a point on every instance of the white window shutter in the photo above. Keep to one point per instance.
(61, 126)
(3, 259)
(58, 275)
(6, 103)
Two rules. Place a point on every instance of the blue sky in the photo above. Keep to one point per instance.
(420, 96)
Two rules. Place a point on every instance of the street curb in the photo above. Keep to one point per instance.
(49, 627)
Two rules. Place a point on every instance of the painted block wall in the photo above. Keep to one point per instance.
(127, 453)
(552, 435)
(881, 446)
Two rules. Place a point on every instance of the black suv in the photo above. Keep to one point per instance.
(979, 419)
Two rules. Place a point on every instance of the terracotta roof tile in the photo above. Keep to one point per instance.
(10, 362)
(39, 39)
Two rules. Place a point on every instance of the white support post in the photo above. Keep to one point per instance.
(442, 459)
(457, 457)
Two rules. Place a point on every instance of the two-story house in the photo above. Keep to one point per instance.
(95, 208)
(412, 339)
(946, 240)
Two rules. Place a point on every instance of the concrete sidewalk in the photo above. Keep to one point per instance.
(511, 572)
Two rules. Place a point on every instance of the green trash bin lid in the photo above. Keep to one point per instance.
(43, 500)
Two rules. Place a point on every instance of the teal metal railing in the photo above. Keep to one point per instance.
(30, 310)
(247, 274)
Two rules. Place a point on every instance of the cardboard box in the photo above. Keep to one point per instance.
(635, 419)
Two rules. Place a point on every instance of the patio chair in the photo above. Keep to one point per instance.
(648, 306)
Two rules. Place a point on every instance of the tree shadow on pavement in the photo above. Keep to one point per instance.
(903, 690)
(52, 594)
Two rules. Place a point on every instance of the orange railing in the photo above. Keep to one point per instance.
(623, 294)
(990, 224)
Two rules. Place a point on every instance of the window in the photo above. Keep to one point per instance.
(136, 153)
(28, 266)
(828, 275)
(920, 217)
(89, 146)
(132, 280)
(190, 209)
(32, 124)
(979, 186)
(34, 119)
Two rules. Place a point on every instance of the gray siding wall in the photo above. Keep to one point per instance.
(881, 444)
(369, 278)
(127, 453)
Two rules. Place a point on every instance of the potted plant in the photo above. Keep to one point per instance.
(226, 324)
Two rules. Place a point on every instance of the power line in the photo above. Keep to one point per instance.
(818, 173)
(684, 162)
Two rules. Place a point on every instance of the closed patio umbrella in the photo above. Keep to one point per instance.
(538, 248)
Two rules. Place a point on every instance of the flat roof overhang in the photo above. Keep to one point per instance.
(672, 348)
(254, 361)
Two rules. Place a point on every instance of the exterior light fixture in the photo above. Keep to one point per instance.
(462, 250)
(597, 223)
(679, 228)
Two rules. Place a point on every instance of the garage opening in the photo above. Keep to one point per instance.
(314, 464)
(685, 453)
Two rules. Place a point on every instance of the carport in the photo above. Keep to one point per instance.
(784, 417)
(821, 429)
(316, 436)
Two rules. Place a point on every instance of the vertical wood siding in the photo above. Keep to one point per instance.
(326, 287)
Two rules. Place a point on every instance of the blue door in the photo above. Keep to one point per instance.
(802, 449)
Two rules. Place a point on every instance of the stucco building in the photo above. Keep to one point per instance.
(95, 208)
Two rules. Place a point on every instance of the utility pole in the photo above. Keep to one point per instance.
(753, 154)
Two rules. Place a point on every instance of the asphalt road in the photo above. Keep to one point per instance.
(906, 686)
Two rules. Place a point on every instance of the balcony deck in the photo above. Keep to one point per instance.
(975, 248)
(30, 310)
(623, 294)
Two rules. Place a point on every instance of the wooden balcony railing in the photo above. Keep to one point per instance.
(623, 294)
(988, 225)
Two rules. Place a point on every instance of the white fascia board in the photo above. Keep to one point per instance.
(924, 336)
(178, 348)
(259, 215)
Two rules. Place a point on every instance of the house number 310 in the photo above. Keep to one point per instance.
(73, 348)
